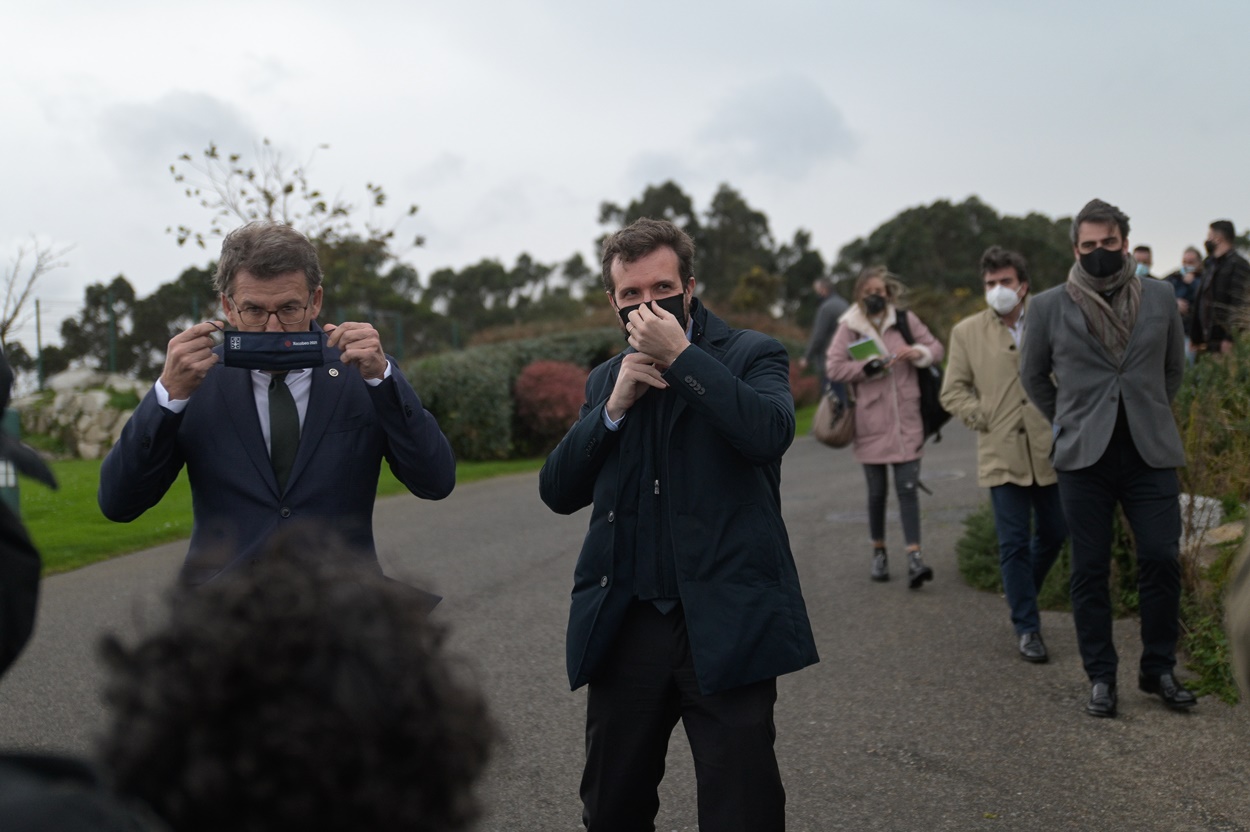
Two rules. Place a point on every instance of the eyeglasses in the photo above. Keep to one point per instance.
(288, 314)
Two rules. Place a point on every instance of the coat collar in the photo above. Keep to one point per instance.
(857, 321)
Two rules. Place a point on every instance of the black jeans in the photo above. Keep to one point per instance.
(646, 684)
(1150, 499)
(906, 479)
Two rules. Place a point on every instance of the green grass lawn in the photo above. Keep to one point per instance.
(70, 531)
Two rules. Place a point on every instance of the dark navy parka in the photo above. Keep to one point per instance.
(720, 472)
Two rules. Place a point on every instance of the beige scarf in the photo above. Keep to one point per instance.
(1111, 323)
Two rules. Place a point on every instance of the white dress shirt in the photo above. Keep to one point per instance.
(299, 382)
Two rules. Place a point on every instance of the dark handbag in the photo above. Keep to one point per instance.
(932, 414)
(834, 422)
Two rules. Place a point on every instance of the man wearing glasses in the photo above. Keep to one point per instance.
(264, 448)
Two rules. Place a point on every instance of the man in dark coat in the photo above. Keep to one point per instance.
(41, 791)
(686, 601)
(20, 562)
(1221, 299)
(832, 307)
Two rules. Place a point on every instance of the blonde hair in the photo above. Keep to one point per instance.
(894, 288)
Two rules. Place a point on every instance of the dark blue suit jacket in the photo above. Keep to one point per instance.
(721, 472)
(348, 429)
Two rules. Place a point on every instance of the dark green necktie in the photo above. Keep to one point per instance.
(283, 429)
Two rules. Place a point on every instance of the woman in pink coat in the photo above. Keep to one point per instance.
(888, 428)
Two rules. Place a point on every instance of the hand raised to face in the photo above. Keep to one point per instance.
(189, 357)
(656, 332)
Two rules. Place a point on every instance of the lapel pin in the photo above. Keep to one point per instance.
(334, 372)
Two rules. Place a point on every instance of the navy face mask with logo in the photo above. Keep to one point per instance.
(274, 350)
(675, 306)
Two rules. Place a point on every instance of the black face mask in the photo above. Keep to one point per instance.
(675, 306)
(1209, 245)
(1102, 262)
(874, 304)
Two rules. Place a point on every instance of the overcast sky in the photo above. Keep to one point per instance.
(509, 122)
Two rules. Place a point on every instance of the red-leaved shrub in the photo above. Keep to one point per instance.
(548, 396)
(805, 388)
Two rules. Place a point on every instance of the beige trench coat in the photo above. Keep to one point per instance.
(982, 388)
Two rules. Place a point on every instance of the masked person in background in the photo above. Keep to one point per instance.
(1219, 309)
(1145, 260)
(1103, 357)
(873, 357)
(982, 387)
(1185, 282)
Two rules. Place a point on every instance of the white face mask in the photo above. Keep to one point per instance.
(1001, 299)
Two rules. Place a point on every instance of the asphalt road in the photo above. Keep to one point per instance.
(920, 716)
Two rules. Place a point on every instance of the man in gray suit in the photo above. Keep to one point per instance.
(1102, 359)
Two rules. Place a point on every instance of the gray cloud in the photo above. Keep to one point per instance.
(781, 127)
(653, 168)
(144, 138)
(446, 169)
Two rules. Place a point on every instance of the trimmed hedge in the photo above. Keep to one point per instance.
(471, 396)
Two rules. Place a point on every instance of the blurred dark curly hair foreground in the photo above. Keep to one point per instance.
(302, 695)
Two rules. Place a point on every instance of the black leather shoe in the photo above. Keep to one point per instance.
(1172, 692)
(880, 565)
(1102, 700)
(1032, 648)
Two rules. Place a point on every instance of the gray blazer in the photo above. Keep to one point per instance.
(1075, 382)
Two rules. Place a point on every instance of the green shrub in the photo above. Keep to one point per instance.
(977, 553)
(1213, 413)
(470, 393)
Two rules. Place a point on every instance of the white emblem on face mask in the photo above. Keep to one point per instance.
(1001, 299)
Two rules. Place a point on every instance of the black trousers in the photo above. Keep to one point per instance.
(646, 684)
(1150, 498)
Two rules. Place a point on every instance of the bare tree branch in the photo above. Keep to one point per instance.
(274, 189)
(20, 278)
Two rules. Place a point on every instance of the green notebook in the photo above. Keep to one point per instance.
(864, 349)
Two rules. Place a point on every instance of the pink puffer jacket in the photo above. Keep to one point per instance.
(887, 407)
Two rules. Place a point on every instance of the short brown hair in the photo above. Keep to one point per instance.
(1100, 213)
(642, 237)
(266, 249)
(997, 257)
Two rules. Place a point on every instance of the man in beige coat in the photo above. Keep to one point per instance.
(983, 389)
